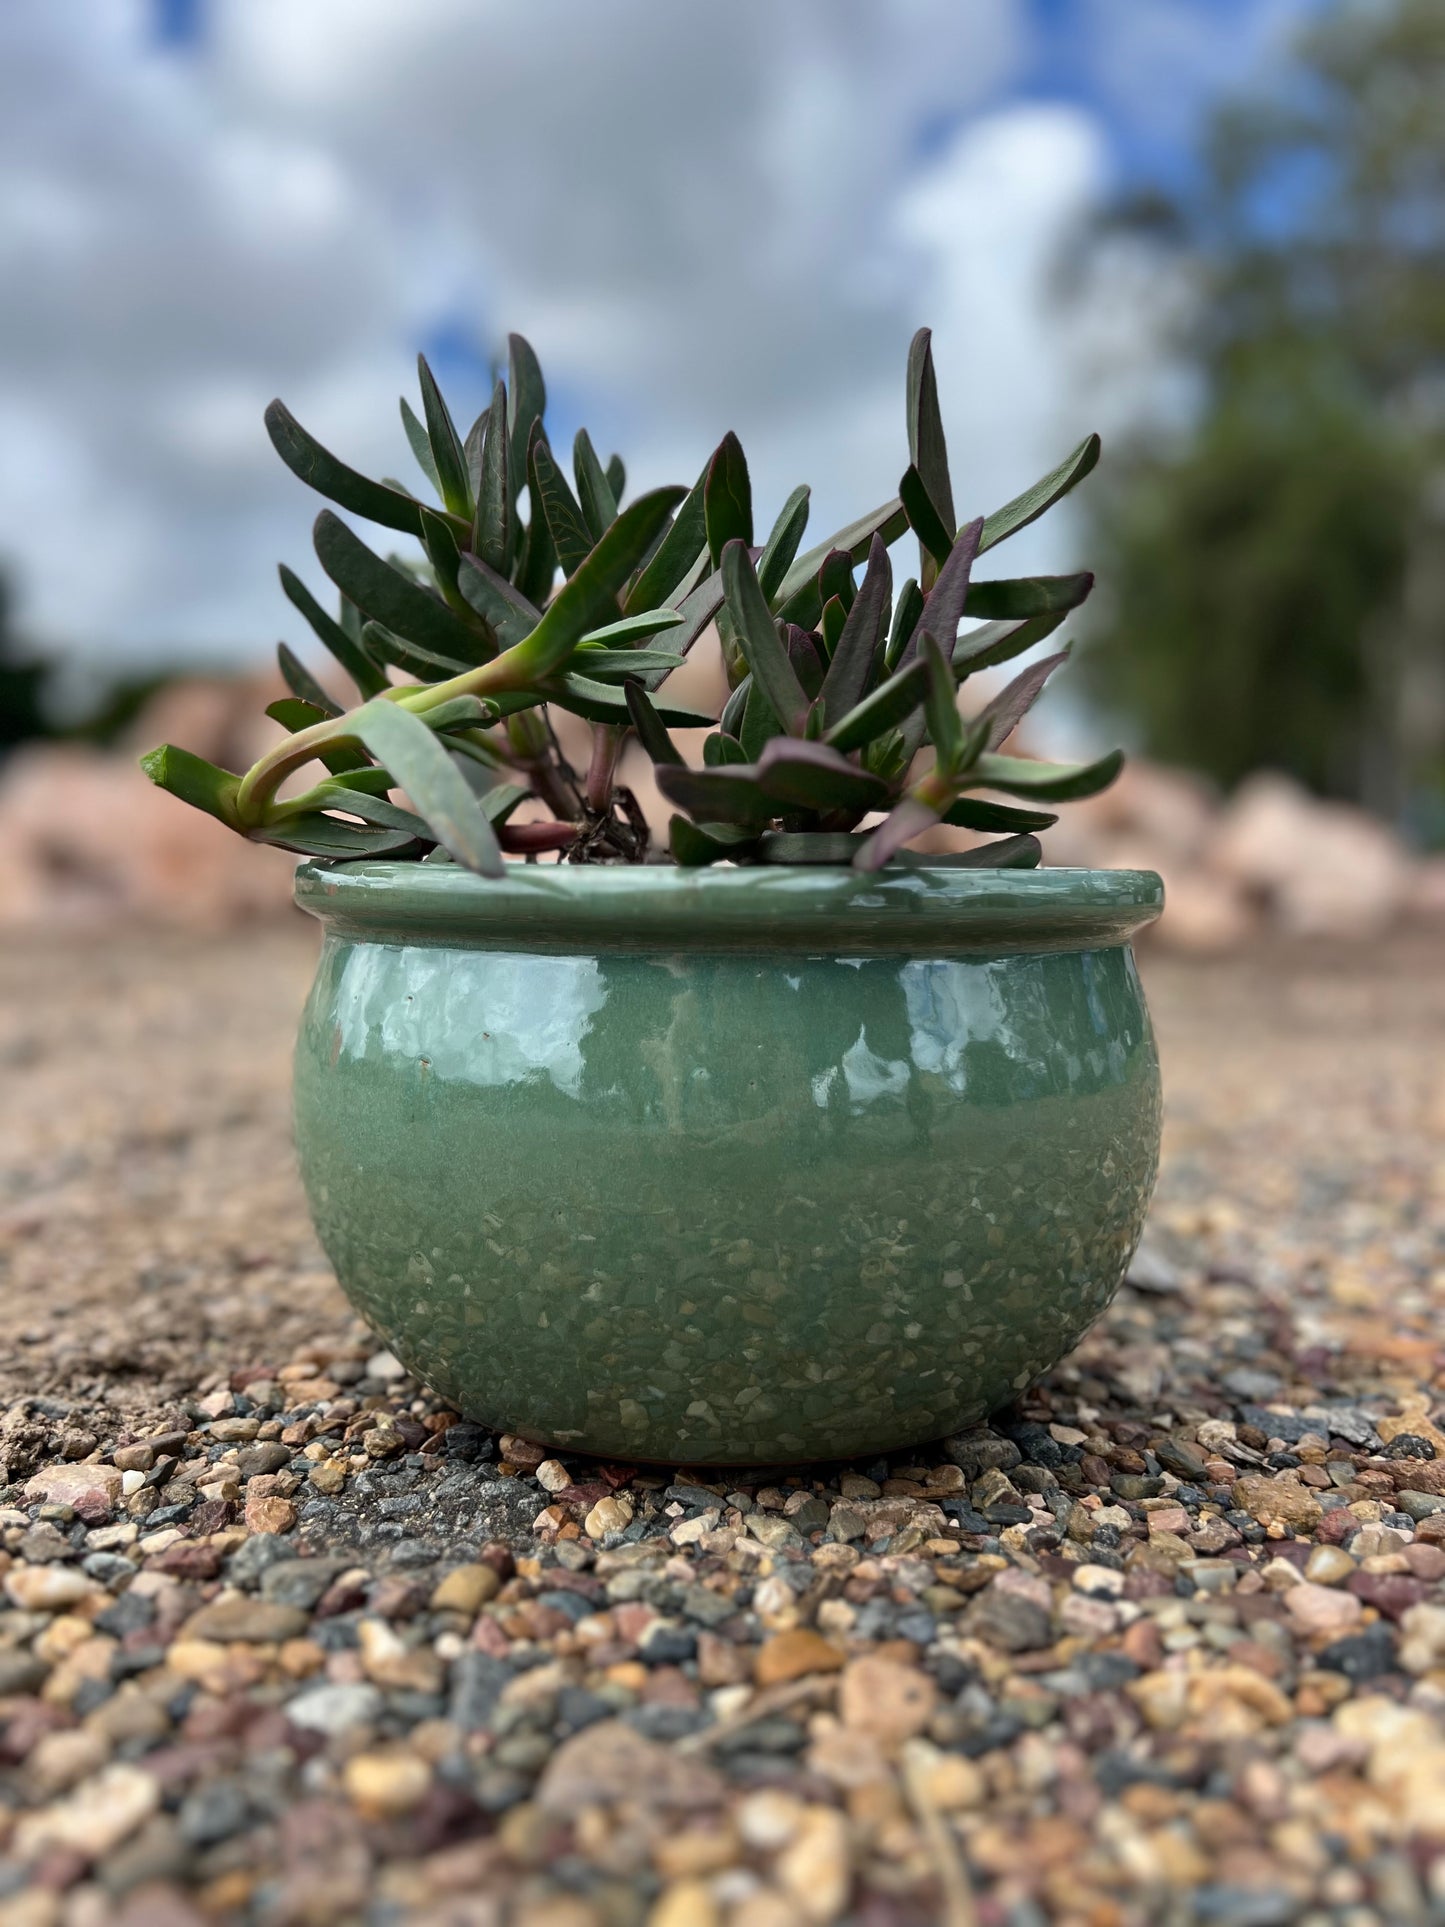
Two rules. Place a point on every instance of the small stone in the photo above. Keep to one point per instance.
(553, 1476)
(610, 1761)
(96, 1817)
(134, 1458)
(328, 1476)
(948, 1781)
(466, 1589)
(47, 1589)
(519, 1451)
(91, 1489)
(335, 1708)
(1422, 1639)
(1420, 1505)
(252, 1621)
(815, 1869)
(885, 1699)
(270, 1514)
(1283, 1499)
(1322, 1609)
(390, 1662)
(58, 1760)
(1329, 1566)
(381, 1785)
(686, 1903)
(385, 1366)
(1182, 1459)
(609, 1515)
(793, 1654)
(1098, 1579)
(981, 1451)
(265, 1456)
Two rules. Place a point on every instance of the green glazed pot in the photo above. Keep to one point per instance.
(727, 1166)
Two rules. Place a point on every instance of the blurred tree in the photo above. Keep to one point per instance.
(1279, 580)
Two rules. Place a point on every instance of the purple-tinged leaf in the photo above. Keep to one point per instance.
(767, 658)
(995, 642)
(856, 539)
(506, 611)
(1009, 707)
(810, 776)
(696, 845)
(726, 795)
(909, 819)
(492, 527)
(946, 602)
(855, 659)
(888, 706)
(807, 663)
(940, 708)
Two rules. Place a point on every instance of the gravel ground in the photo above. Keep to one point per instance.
(282, 1641)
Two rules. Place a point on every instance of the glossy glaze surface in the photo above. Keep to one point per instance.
(711, 1205)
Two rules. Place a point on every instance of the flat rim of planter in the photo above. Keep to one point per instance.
(922, 910)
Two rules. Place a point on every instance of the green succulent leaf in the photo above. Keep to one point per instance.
(368, 676)
(927, 448)
(294, 712)
(432, 780)
(676, 553)
(537, 564)
(320, 469)
(300, 681)
(439, 539)
(446, 445)
(508, 613)
(767, 656)
(1024, 596)
(907, 614)
(602, 702)
(501, 800)
(885, 708)
(314, 834)
(940, 708)
(651, 730)
(457, 712)
(571, 537)
(759, 725)
(727, 498)
(811, 776)
(720, 750)
(809, 846)
(694, 845)
(782, 543)
(1009, 707)
(420, 446)
(492, 525)
(375, 810)
(616, 473)
(935, 538)
(856, 653)
(410, 657)
(972, 813)
(835, 617)
(611, 665)
(648, 622)
(474, 444)
(594, 491)
(589, 596)
(393, 599)
(1029, 506)
(526, 403)
(1049, 782)
(856, 538)
(194, 781)
(727, 795)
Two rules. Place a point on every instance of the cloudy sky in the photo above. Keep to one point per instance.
(703, 215)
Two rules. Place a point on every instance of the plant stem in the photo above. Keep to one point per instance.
(607, 741)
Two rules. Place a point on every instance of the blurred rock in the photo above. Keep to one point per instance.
(1323, 869)
(85, 837)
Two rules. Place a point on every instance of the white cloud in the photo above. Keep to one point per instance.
(700, 226)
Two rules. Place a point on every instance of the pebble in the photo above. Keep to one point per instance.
(793, 1654)
(466, 1589)
(382, 1785)
(607, 1516)
(335, 1708)
(885, 1699)
(256, 1621)
(1329, 1566)
(47, 1589)
(1323, 1609)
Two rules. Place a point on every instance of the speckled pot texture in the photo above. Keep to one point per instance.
(727, 1166)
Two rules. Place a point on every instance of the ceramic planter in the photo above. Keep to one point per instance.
(731, 1166)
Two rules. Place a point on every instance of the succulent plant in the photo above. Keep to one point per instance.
(837, 685)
